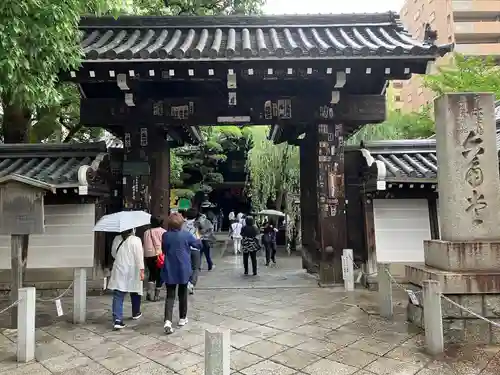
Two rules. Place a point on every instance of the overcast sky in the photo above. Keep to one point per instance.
(331, 6)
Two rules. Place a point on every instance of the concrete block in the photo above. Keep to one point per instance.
(491, 306)
(455, 282)
(384, 291)
(454, 331)
(415, 315)
(468, 176)
(477, 331)
(495, 333)
(217, 351)
(80, 296)
(461, 256)
(474, 303)
(449, 310)
(348, 270)
(26, 325)
(433, 320)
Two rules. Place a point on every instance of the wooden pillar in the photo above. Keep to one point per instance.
(331, 201)
(136, 169)
(371, 254)
(160, 176)
(308, 202)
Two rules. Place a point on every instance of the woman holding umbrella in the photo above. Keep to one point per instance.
(127, 275)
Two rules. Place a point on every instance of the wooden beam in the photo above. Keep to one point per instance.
(364, 109)
(262, 110)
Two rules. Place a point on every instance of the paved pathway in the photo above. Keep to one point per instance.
(275, 330)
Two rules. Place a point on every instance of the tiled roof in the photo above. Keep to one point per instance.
(259, 37)
(406, 159)
(112, 141)
(54, 164)
(413, 159)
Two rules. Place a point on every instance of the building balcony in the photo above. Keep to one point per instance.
(475, 9)
(476, 30)
(484, 49)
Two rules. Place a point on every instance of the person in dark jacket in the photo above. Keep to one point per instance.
(190, 225)
(250, 244)
(269, 242)
(176, 272)
(206, 230)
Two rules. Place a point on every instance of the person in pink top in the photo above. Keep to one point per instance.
(152, 249)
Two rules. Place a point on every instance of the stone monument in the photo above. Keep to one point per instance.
(466, 260)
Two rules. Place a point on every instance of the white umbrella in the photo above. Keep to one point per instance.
(271, 213)
(122, 221)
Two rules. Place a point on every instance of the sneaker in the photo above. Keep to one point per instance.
(182, 322)
(118, 325)
(137, 316)
(168, 327)
(190, 288)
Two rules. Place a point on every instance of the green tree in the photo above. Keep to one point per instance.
(461, 74)
(397, 126)
(274, 171)
(200, 164)
(466, 74)
(39, 39)
(194, 7)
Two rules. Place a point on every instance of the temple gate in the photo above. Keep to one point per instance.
(154, 80)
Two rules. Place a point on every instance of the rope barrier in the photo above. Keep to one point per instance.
(463, 308)
(356, 267)
(401, 286)
(59, 296)
(10, 306)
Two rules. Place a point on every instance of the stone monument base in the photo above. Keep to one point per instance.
(460, 256)
(479, 291)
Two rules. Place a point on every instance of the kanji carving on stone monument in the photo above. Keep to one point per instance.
(470, 122)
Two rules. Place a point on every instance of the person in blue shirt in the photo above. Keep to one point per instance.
(177, 270)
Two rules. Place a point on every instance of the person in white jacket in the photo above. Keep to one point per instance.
(127, 275)
(235, 234)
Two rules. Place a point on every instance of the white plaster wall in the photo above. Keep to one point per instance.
(401, 226)
(68, 240)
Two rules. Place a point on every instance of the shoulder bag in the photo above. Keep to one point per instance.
(160, 258)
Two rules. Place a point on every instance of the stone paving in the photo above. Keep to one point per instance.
(275, 329)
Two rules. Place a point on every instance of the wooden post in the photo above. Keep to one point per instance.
(331, 209)
(16, 274)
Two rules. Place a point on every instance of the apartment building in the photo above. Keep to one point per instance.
(473, 25)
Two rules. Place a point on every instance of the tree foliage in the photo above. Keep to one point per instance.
(40, 38)
(466, 74)
(200, 164)
(194, 7)
(397, 126)
(274, 171)
(461, 74)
